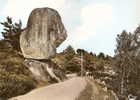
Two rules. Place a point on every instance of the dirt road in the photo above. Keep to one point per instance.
(68, 90)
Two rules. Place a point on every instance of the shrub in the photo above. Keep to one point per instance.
(13, 84)
(15, 78)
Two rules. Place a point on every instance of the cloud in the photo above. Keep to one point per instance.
(137, 11)
(93, 16)
(20, 9)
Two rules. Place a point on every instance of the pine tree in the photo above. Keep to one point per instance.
(101, 55)
(126, 60)
(70, 52)
(12, 32)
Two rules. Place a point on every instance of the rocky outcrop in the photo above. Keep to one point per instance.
(45, 70)
(73, 89)
(44, 33)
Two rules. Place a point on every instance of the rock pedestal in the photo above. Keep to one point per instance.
(45, 70)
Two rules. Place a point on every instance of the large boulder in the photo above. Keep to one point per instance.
(44, 33)
(73, 89)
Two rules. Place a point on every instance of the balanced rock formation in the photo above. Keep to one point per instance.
(73, 89)
(44, 33)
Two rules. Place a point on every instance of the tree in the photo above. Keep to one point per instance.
(79, 51)
(126, 60)
(12, 32)
(70, 52)
(101, 55)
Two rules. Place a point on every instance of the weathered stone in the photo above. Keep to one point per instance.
(44, 70)
(44, 33)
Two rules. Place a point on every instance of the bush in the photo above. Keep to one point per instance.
(15, 78)
(13, 84)
(69, 52)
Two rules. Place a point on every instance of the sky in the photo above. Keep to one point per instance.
(91, 24)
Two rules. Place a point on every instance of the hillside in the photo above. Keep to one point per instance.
(13, 70)
(15, 78)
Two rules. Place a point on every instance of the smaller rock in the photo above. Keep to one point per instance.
(45, 70)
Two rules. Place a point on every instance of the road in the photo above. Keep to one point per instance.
(68, 90)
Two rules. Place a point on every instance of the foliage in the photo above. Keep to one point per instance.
(126, 62)
(14, 81)
(13, 84)
(101, 55)
(15, 78)
(70, 52)
(12, 32)
(91, 62)
(73, 66)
